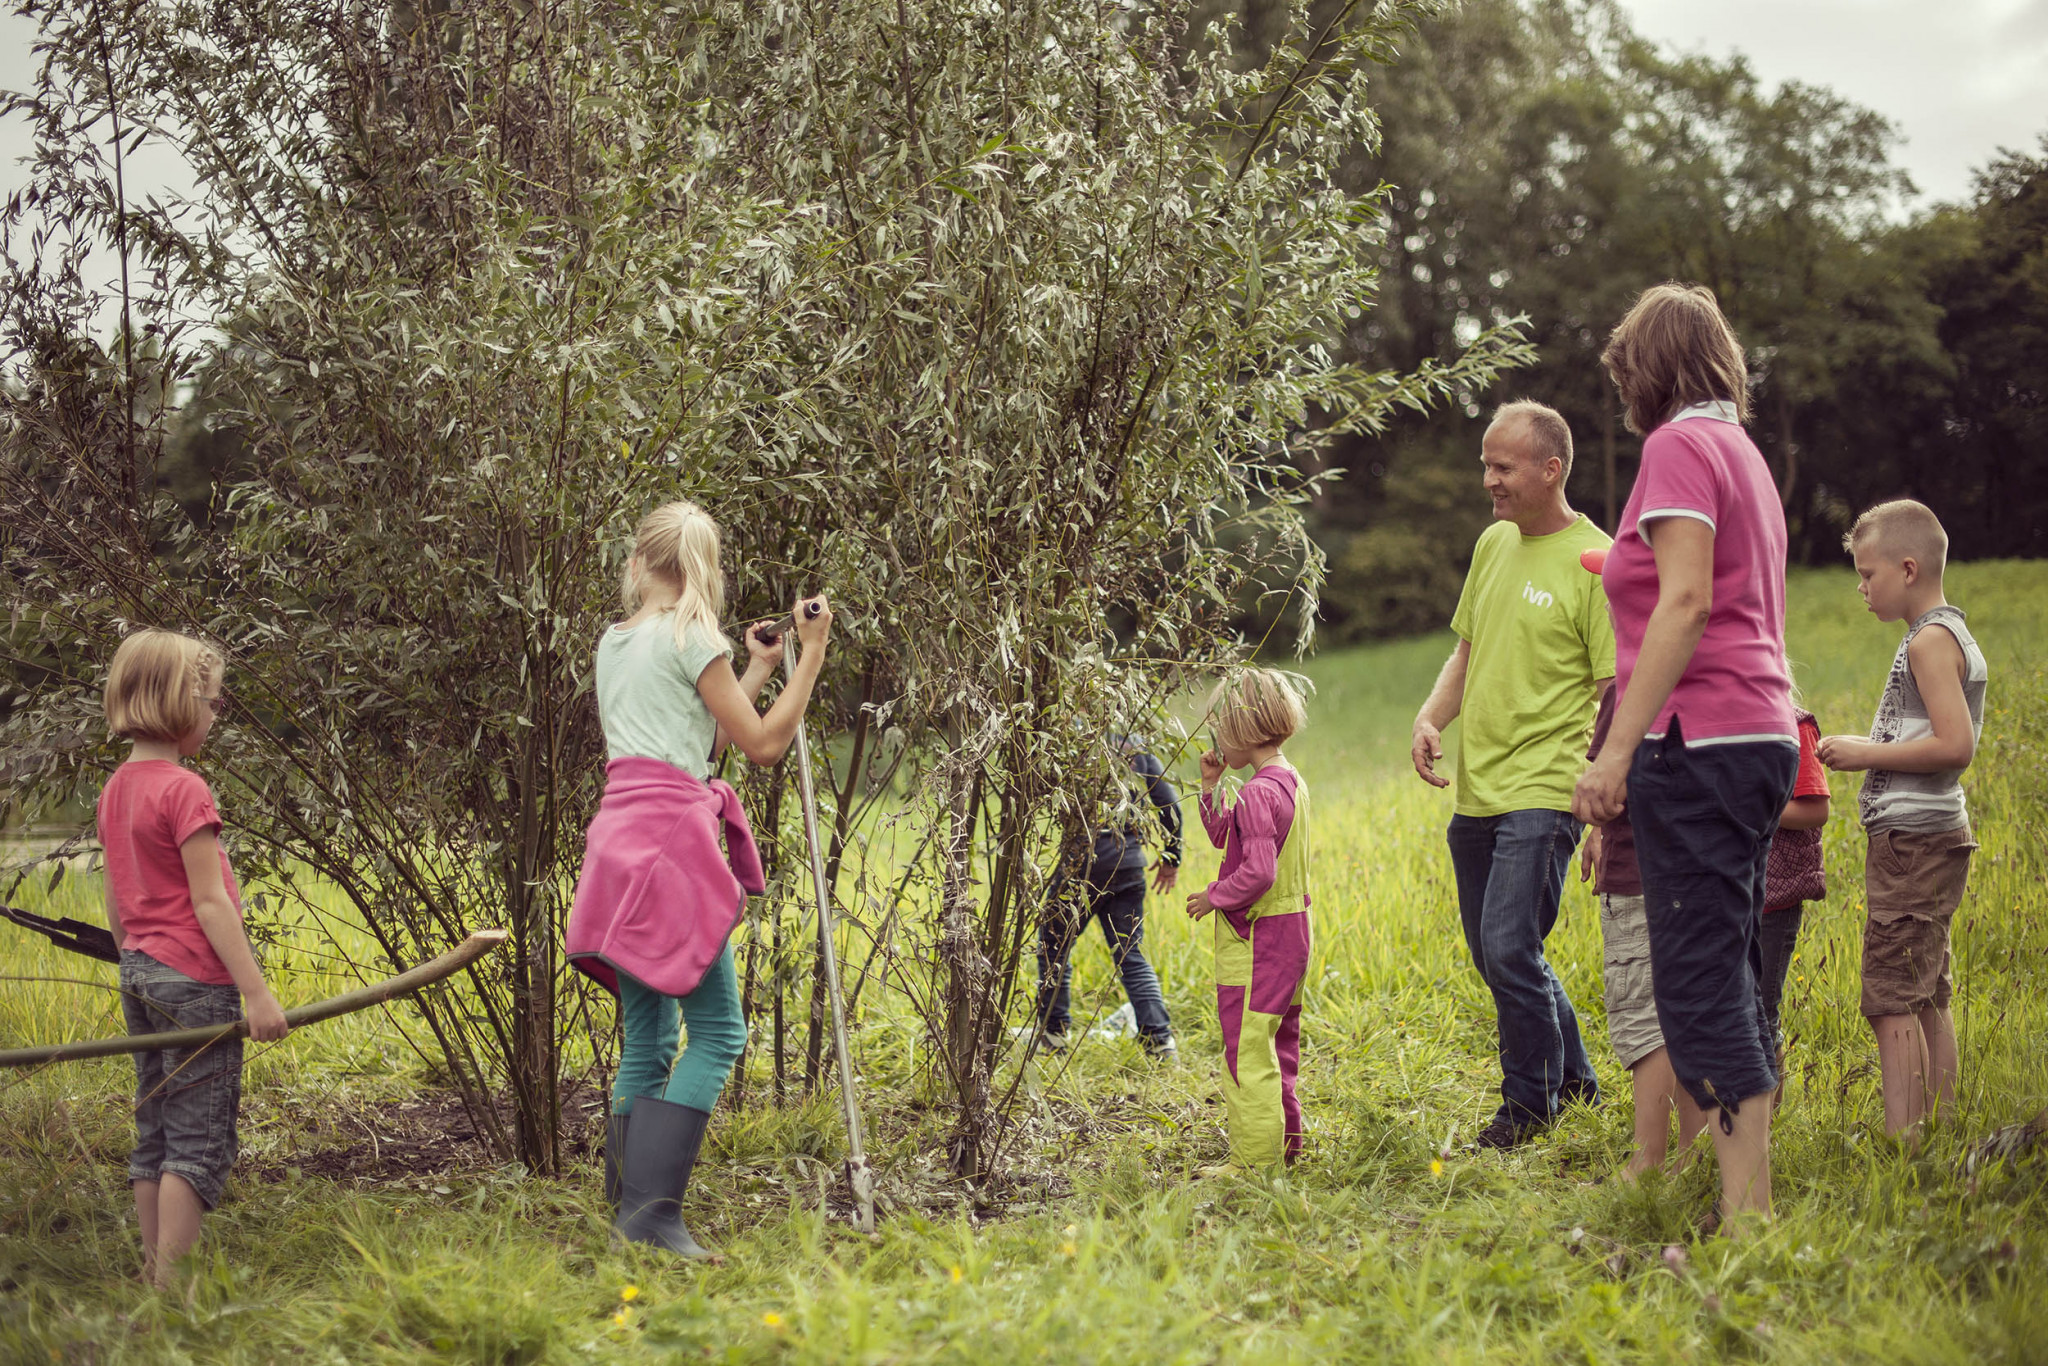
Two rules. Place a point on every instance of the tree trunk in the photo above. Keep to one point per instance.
(1607, 465)
(963, 968)
(1789, 446)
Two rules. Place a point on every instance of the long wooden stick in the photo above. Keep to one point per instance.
(479, 943)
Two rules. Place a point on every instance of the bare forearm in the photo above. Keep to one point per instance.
(1804, 813)
(759, 671)
(778, 726)
(222, 925)
(756, 678)
(1929, 754)
(1447, 698)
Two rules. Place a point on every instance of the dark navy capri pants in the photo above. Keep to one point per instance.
(185, 1098)
(1703, 820)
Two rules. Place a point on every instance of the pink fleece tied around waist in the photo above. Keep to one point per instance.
(659, 896)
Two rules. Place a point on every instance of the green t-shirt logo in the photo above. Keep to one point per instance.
(1528, 707)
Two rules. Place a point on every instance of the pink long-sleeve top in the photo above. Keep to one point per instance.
(1250, 834)
(659, 895)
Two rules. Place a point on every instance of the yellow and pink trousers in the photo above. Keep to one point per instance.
(1263, 944)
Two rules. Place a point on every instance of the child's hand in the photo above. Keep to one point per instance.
(813, 631)
(1845, 753)
(1589, 854)
(266, 1020)
(765, 652)
(1198, 904)
(1212, 770)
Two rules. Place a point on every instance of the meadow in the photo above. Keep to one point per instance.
(1392, 1241)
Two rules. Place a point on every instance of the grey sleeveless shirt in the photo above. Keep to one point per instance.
(1921, 801)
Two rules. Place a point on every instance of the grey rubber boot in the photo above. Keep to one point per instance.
(614, 1144)
(654, 1170)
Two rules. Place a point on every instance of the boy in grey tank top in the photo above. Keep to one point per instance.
(1923, 737)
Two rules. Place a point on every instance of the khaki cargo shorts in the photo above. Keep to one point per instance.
(1913, 881)
(1625, 964)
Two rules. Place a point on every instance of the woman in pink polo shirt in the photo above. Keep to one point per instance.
(1704, 747)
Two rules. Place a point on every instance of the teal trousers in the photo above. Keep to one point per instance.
(649, 1063)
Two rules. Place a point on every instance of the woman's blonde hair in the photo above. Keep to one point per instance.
(678, 543)
(1256, 707)
(153, 685)
(1672, 350)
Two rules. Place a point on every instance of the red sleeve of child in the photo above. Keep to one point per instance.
(1813, 779)
(188, 808)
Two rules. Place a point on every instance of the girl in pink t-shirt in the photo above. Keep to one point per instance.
(174, 909)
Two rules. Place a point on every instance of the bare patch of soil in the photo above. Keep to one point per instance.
(423, 1137)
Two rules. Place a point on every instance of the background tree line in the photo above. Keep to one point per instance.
(1547, 162)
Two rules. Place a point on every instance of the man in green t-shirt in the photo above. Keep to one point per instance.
(1535, 647)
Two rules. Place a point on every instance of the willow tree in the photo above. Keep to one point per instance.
(1007, 324)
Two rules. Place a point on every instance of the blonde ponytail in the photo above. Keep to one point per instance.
(678, 543)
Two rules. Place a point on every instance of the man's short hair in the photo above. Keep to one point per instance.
(1899, 530)
(1550, 436)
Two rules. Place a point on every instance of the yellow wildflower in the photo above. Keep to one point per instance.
(1436, 1166)
(772, 1319)
(955, 1273)
(631, 1292)
(620, 1318)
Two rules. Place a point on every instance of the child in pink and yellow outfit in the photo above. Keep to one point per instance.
(1261, 898)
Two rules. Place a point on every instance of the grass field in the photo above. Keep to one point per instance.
(1392, 1241)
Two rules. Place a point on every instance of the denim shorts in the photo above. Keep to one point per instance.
(185, 1098)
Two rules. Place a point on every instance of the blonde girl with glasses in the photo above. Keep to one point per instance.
(174, 909)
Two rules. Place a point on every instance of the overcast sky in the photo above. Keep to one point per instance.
(1958, 78)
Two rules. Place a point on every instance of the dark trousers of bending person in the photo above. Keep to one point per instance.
(1111, 891)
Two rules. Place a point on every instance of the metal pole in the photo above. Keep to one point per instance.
(859, 1174)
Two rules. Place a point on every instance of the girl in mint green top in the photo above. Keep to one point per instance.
(666, 691)
(647, 691)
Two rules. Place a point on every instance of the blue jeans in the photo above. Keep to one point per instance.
(1510, 872)
(651, 1024)
(1121, 909)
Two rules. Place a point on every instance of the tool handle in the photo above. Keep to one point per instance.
(773, 631)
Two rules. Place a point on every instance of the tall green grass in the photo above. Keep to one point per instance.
(1392, 1241)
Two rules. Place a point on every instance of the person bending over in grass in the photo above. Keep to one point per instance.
(657, 900)
(1261, 901)
(1925, 734)
(1109, 886)
(1535, 646)
(173, 907)
(1609, 856)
